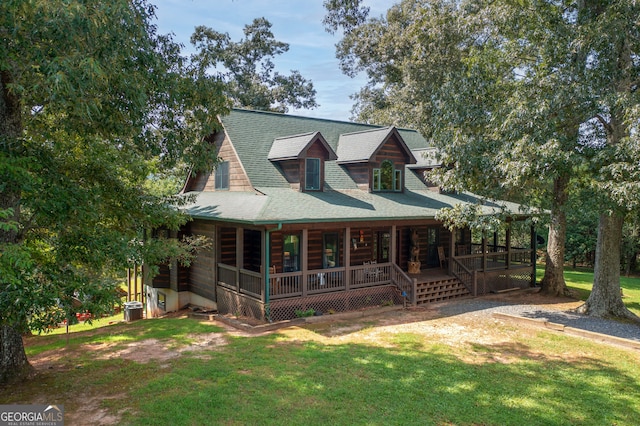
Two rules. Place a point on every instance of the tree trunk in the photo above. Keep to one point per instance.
(13, 360)
(553, 283)
(605, 299)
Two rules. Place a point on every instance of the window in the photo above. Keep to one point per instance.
(291, 255)
(397, 180)
(330, 250)
(381, 246)
(386, 178)
(222, 175)
(312, 174)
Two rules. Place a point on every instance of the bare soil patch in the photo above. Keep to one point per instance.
(493, 340)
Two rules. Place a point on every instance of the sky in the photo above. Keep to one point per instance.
(296, 22)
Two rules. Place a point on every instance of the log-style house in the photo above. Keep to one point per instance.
(307, 215)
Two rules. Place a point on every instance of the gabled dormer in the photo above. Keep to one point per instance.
(301, 159)
(375, 159)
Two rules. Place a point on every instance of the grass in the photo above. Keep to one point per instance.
(306, 376)
(580, 280)
(404, 378)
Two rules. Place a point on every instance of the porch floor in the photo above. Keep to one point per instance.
(428, 275)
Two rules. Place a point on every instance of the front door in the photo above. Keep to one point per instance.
(433, 240)
(381, 248)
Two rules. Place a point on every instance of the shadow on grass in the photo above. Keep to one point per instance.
(273, 380)
(263, 382)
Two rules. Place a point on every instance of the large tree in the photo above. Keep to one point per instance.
(248, 69)
(92, 101)
(517, 96)
(447, 68)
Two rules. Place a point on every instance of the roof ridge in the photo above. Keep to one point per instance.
(303, 117)
(367, 131)
(296, 135)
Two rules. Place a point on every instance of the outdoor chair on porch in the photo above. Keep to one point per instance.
(373, 273)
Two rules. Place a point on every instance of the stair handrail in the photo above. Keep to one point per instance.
(468, 281)
(405, 283)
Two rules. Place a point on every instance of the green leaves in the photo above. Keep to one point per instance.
(247, 68)
(92, 102)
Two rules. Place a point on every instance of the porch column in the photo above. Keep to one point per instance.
(239, 255)
(265, 265)
(452, 250)
(534, 249)
(305, 264)
(508, 242)
(484, 251)
(347, 258)
(173, 273)
(394, 248)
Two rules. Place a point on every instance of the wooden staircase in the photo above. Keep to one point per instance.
(444, 288)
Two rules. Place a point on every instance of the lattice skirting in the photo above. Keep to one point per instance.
(494, 281)
(322, 304)
(230, 302)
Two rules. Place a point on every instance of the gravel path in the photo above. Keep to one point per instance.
(480, 307)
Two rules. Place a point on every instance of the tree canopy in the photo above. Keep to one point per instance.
(518, 97)
(92, 101)
(248, 69)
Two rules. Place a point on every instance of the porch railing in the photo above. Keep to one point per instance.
(291, 284)
(240, 280)
(464, 274)
(294, 284)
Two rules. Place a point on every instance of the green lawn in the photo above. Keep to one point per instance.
(581, 280)
(357, 377)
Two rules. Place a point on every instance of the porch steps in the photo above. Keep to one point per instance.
(440, 290)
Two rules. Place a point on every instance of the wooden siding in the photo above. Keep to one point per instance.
(202, 277)
(391, 150)
(252, 250)
(360, 173)
(162, 279)
(317, 150)
(277, 239)
(227, 246)
(238, 179)
(290, 170)
(315, 247)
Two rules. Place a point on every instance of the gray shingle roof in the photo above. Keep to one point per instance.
(256, 136)
(291, 147)
(362, 146)
(253, 133)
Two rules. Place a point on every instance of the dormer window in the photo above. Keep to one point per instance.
(312, 176)
(301, 159)
(375, 159)
(387, 178)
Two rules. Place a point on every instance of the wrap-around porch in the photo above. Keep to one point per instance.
(328, 270)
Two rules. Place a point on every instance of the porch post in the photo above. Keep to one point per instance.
(508, 242)
(173, 273)
(393, 243)
(484, 251)
(534, 255)
(452, 250)
(305, 258)
(239, 255)
(264, 271)
(347, 258)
